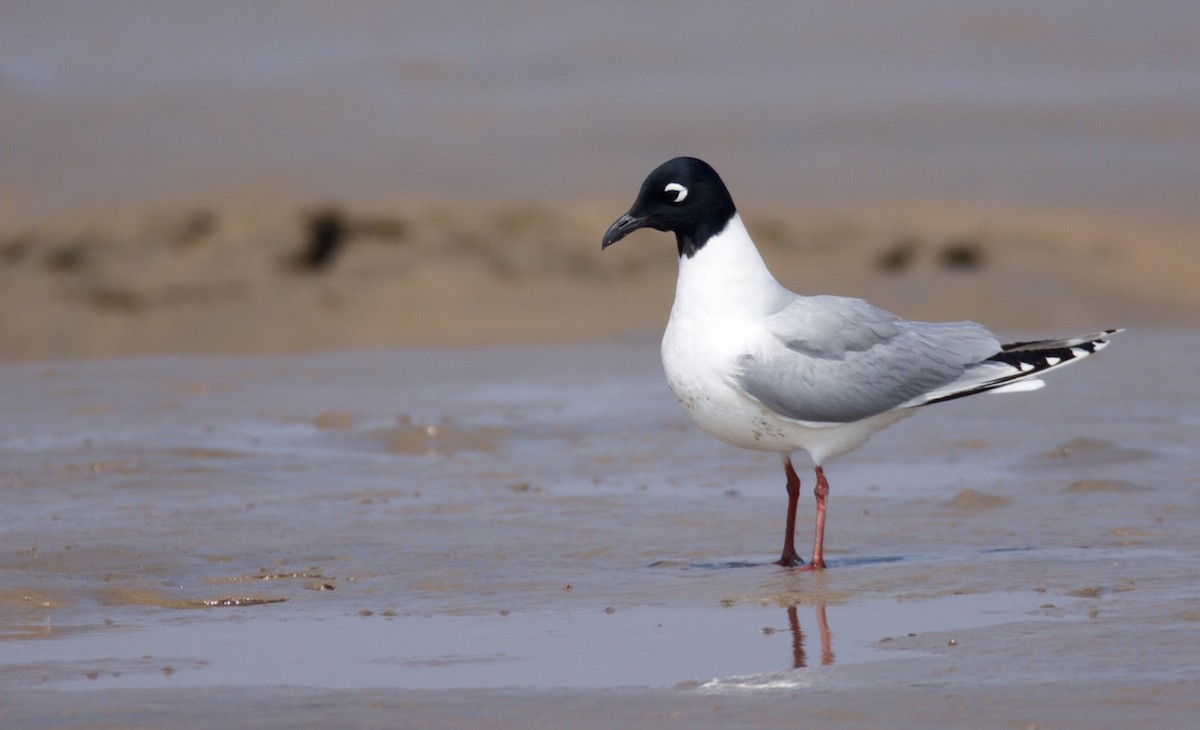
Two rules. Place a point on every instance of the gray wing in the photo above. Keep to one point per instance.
(834, 359)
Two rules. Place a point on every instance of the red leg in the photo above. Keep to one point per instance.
(789, 557)
(821, 491)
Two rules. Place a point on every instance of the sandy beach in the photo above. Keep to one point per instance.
(165, 171)
(535, 536)
(324, 408)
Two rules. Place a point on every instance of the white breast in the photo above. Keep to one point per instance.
(722, 296)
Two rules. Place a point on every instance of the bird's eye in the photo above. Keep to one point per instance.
(676, 191)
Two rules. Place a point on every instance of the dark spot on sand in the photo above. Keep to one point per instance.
(900, 256)
(962, 254)
(15, 250)
(68, 258)
(327, 232)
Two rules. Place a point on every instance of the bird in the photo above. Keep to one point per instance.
(761, 367)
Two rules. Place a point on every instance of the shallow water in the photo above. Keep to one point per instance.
(543, 520)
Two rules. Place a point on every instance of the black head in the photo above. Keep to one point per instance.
(684, 196)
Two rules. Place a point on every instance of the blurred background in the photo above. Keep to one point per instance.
(249, 178)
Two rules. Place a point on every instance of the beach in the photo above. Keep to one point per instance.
(323, 406)
(536, 536)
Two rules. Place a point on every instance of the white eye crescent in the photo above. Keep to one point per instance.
(680, 192)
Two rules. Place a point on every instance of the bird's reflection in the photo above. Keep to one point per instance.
(799, 655)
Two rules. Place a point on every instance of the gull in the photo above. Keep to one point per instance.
(764, 368)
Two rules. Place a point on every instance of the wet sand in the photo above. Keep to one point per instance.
(535, 536)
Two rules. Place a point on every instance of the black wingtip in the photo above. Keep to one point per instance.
(1097, 338)
(1028, 360)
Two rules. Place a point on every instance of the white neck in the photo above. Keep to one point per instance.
(727, 275)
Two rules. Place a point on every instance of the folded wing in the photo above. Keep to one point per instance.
(837, 360)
